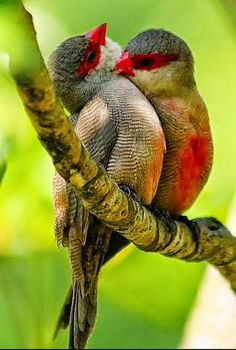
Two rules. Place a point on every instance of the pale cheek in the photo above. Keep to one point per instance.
(109, 55)
(145, 81)
(156, 81)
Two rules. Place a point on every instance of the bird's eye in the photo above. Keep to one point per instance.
(91, 56)
(146, 62)
(89, 61)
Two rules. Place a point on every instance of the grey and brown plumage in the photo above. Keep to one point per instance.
(121, 130)
(161, 64)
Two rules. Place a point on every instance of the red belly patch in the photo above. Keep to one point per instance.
(193, 162)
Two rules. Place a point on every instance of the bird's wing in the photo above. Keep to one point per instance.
(98, 133)
(96, 129)
(137, 157)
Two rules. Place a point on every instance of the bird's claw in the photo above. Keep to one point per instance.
(129, 192)
(193, 226)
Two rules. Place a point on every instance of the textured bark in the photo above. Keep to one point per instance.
(196, 240)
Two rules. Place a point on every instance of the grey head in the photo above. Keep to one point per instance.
(162, 62)
(80, 65)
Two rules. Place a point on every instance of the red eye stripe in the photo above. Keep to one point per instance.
(149, 61)
(86, 64)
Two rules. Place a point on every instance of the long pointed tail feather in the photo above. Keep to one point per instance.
(117, 243)
(82, 317)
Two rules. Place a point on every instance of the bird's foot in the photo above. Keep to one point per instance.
(129, 192)
(164, 216)
(193, 226)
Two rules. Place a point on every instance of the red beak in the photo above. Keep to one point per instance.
(97, 34)
(124, 64)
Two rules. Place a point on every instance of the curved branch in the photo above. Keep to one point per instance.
(196, 240)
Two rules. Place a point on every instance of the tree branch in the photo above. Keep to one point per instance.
(196, 240)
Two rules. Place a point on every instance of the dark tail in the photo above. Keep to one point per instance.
(82, 316)
(117, 243)
(84, 297)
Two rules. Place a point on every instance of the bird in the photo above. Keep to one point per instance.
(121, 130)
(161, 65)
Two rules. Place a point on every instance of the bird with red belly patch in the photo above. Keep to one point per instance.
(162, 66)
(121, 130)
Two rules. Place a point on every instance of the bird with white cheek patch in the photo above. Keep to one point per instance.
(121, 130)
(162, 66)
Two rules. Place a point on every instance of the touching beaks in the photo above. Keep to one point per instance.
(124, 64)
(97, 34)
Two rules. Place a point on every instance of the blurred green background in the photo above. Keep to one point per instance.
(144, 299)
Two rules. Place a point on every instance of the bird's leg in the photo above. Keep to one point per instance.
(129, 192)
(164, 216)
(194, 227)
(169, 219)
